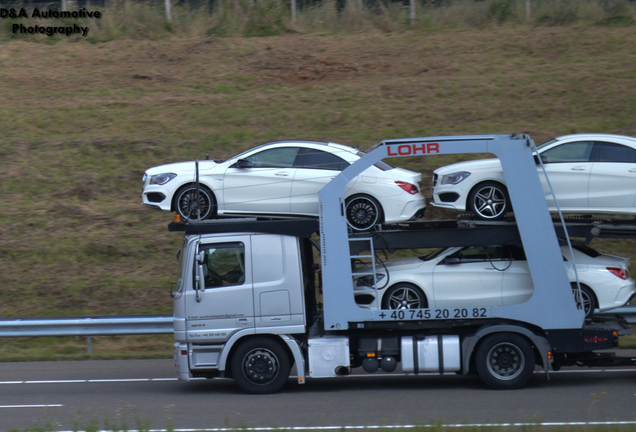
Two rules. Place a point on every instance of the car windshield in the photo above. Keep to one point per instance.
(432, 255)
(545, 144)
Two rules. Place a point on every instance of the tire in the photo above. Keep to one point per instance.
(363, 212)
(589, 299)
(185, 206)
(505, 361)
(404, 296)
(260, 366)
(489, 200)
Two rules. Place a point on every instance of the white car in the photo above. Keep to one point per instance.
(590, 173)
(498, 276)
(284, 178)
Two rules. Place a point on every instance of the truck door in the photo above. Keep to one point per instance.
(219, 301)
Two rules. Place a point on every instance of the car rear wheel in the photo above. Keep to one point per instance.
(505, 361)
(186, 206)
(261, 366)
(489, 200)
(589, 300)
(363, 212)
(404, 296)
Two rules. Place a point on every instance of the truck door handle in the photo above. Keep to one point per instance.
(578, 168)
(282, 174)
(632, 170)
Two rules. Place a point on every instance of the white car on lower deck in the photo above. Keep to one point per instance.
(590, 174)
(284, 178)
(478, 276)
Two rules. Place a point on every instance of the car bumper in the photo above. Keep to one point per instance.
(449, 196)
(157, 197)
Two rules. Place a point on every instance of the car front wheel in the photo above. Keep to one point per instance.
(363, 212)
(186, 205)
(404, 296)
(489, 200)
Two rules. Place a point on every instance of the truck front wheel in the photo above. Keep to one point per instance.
(505, 361)
(260, 366)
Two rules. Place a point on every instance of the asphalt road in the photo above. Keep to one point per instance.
(140, 394)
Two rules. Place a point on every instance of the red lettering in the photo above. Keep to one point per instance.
(412, 149)
(420, 148)
(432, 147)
(404, 150)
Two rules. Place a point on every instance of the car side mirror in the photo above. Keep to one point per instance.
(544, 159)
(243, 163)
(451, 260)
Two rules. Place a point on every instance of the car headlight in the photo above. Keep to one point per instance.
(144, 178)
(367, 281)
(455, 178)
(161, 179)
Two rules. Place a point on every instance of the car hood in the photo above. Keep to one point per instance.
(470, 166)
(182, 167)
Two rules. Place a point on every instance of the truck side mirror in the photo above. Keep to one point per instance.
(451, 260)
(201, 278)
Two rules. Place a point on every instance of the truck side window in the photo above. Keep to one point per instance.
(224, 264)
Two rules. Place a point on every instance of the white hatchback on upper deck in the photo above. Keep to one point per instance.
(590, 173)
(285, 178)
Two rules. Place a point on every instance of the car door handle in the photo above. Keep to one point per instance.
(282, 174)
(578, 168)
(632, 170)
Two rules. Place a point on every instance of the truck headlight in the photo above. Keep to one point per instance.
(161, 179)
(455, 178)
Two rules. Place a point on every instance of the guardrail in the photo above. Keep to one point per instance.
(86, 326)
(134, 325)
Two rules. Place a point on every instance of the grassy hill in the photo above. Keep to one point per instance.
(81, 122)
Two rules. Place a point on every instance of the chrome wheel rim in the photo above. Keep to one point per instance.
(404, 298)
(505, 361)
(261, 366)
(187, 205)
(587, 301)
(490, 202)
(362, 213)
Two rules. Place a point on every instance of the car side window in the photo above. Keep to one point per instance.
(578, 151)
(480, 253)
(223, 265)
(281, 157)
(611, 152)
(318, 159)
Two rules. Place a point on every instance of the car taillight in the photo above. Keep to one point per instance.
(408, 187)
(621, 273)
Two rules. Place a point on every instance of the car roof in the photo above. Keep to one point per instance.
(597, 136)
(311, 143)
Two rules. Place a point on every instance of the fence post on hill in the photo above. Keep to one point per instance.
(528, 12)
(64, 5)
(293, 11)
(412, 11)
(168, 10)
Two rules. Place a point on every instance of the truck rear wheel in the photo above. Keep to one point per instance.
(505, 361)
(260, 366)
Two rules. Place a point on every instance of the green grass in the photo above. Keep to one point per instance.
(77, 138)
